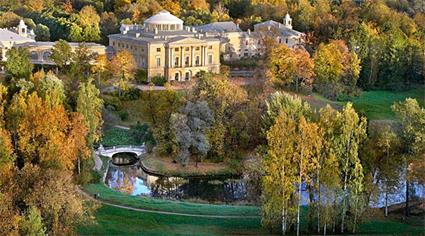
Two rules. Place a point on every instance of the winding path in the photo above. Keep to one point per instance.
(163, 212)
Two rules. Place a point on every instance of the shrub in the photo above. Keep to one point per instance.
(131, 94)
(159, 80)
(142, 76)
(123, 115)
(112, 103)
(143, 134)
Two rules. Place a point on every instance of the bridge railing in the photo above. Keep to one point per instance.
(121, 147)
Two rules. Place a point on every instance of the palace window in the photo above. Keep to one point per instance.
(197, 60)
(176, 49)
(158, 49)
(187, 76)
(158, 62)
(210, 47)
(176, 61)
(210, 59)
(187, 49)
(186, 61)
(197, 49)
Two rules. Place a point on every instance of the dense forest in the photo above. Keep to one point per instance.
(387, 36)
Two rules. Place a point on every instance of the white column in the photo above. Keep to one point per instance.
(171, 57)
(181, 57)
(192, 57)
(205, 55)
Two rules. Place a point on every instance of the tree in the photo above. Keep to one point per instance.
(61, 54)
(382, 160)
(294, 145)
(53, 192)
(108, 25)
(42, 33)
(280, 175)
(308, 143)
(227, 101)
(289, 67)
(90, 105)
(100, 68)
(9, 19)
(123, 67)
(43, 130)
(412, 120)
(18, 63)
(51, 89)
(336, 68)
(351, 133)
(32, 223)
(279, 102)
(189, 127)
(199, 5)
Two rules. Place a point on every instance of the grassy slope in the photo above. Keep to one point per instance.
(376, 105)
(168, 205)
(115, 221)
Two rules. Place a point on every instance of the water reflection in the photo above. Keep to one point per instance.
(134, 181)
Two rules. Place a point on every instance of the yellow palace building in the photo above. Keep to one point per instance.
(163, 46)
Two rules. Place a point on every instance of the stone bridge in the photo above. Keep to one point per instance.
(110, 151)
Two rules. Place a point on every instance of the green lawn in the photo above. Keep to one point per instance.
(149, 203)
(116, 221)
(376, 105)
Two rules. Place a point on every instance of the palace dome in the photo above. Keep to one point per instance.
(164, 21)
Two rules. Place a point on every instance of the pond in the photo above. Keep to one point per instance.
(132, 179)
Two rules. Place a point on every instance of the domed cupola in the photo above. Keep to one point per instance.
(163, 21)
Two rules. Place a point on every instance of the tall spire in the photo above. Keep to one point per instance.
(287, 21)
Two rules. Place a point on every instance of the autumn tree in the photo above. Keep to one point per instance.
(227, 101)
(123, 67)
(44, 129)
(280, 175)
(293, 153)
(336, 68)
(288, 67)
(86, 25)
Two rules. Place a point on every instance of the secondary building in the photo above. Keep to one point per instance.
(237, 44)
(40, 52)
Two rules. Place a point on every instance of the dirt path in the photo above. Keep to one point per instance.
(163, 212)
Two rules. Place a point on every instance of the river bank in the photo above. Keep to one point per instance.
(165, 166)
